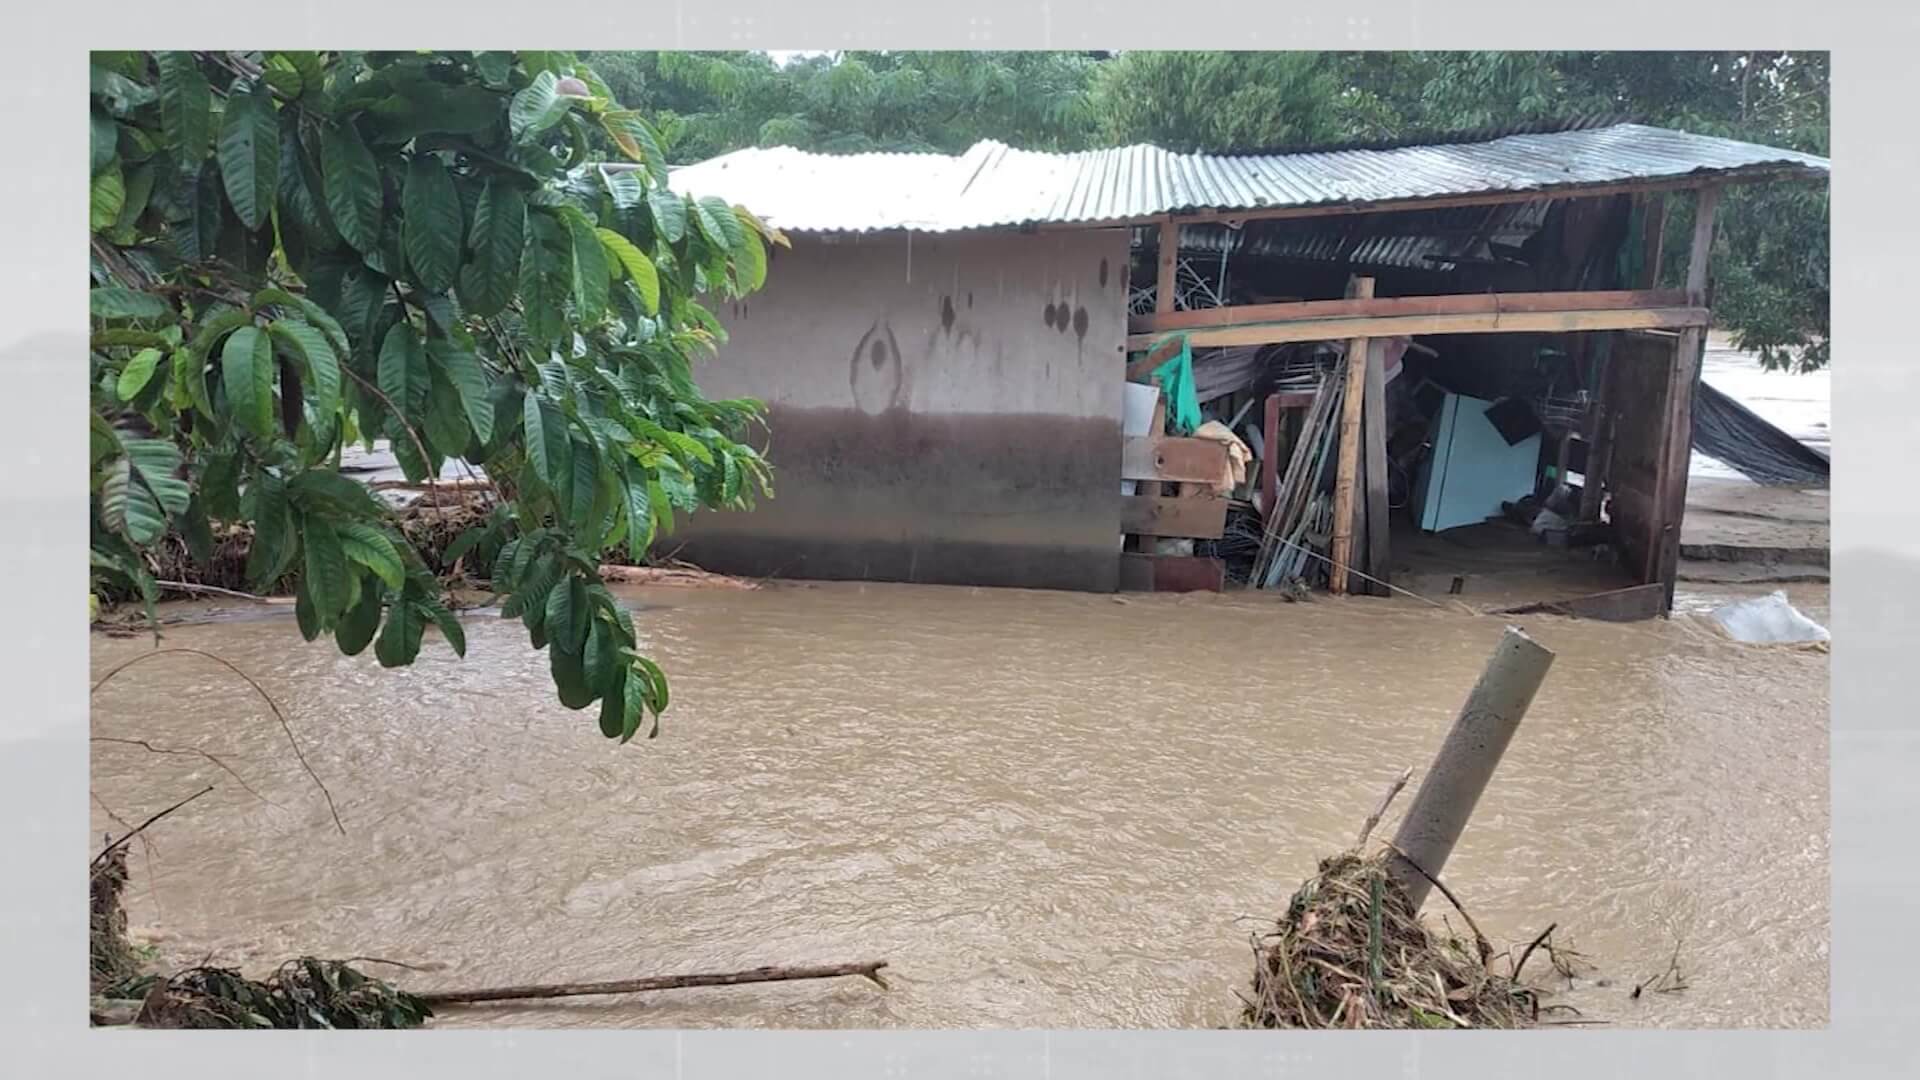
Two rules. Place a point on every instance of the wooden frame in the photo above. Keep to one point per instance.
(1454, 304)
(1562, 321)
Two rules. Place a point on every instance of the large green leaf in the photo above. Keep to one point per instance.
(353, 185)
(636, 264)
(138, 372)
(446, 418)
(463, 370)
(316, 352)
(432, 225)
(449, 624)
(250, 151)
(640, 524)
(568, 613)
(590, 278)
(106, 197)
(186, 107)
(635, 138)
(326, 569)
(492, 271)
(399, 642)
(142, 490)
(717, 222)
(334, 494)
(357, 626)
(669, 212)
(246, 371)
(114, 303)
(373, 549)
(274, 540)
(196, 234)
(105, 139)
(570, 677)
(538, 107)
(403, 370)
(749, 261)
(548, 448)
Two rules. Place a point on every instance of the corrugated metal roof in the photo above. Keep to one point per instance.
(993, 185)
(1419, 240)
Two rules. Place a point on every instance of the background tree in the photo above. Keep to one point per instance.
(294, 250)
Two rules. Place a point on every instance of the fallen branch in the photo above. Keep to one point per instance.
(869, 970)
(1366, 828)
(1528, 951)
(142, 827)
(190, 587)
(188, 752)
(264, 696)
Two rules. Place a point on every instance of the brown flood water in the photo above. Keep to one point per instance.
(1044, 809)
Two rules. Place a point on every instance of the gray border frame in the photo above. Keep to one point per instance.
(43, 642)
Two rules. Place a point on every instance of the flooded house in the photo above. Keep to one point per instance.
(1136, 369)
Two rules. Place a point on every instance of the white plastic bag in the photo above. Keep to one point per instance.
(1768, 620)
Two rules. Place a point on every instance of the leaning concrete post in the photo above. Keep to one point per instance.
(1466, 761)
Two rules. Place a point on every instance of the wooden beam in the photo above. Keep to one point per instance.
(1166, 458)
(1509, 322)
(1141, 370)
(1702, 250)
(1374, 426)
(1201, 515)
(1452, 304)
(1653, 238)
(1348, 462)
(1164, 287)
(1497, 198)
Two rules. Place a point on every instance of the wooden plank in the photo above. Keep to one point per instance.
(1677, 442)
(1156, 427)
(1631, 604)
(1349, 459)
(1165, 457)
(1505, 322)
(1374, 426)
(1445, 304)
(1141, 370)
(1755, 174)
(1201, 515)
(1188, 573)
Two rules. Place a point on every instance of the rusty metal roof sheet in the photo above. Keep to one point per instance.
(995, 186)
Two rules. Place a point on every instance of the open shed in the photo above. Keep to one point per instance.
(1362, 348)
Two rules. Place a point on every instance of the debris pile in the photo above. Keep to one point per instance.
(1351, 952)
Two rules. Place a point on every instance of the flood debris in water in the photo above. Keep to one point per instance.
(1351, 951)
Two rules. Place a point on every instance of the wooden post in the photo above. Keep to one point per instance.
(1163, 289)
(1270, 463)
(1678, 440)
(1348, 465)
(1163, 304)
(1653, 232)
(1472, 750)
(1375, 426)
(1653, 224)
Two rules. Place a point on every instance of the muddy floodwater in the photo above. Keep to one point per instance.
(1043, 809)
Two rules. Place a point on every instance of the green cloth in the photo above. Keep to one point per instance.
(1176, 386)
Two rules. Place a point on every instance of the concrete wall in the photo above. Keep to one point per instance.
(943, 409)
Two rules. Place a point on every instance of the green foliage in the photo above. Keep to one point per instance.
(294, 247)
